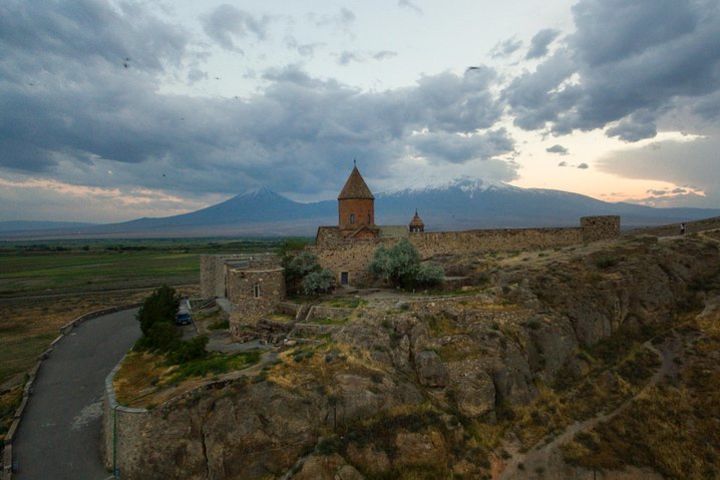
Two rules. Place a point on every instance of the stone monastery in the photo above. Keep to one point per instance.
(255, 284)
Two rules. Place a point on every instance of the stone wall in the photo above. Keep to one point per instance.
(213, 270)
(471, 241)
(354, 256)
(249, 306)
(122, 433)
(600, 228)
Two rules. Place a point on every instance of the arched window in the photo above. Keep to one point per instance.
(256, 290)
(352, 219)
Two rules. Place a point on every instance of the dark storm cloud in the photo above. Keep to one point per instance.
(84, 30)
(226, 23)
(627, 60)
(559, 149)
(451, 147)
(82, 117)
(540, 43)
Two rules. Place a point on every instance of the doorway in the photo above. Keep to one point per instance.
(344, 278)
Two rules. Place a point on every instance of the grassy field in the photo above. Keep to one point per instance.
(61, 267)
(45, 285)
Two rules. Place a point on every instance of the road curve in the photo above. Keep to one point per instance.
(59, 435)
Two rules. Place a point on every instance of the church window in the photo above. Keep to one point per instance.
(352, 219)
(256, 290)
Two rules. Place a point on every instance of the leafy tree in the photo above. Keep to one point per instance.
(160, 307)
(400, 265)
(297, 267)
(317, 282)
(157, 322)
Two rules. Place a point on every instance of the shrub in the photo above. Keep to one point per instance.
(605, 261)
(189, 350)
(297, 267)
(400, 266)
(160, 307)
(315, 283)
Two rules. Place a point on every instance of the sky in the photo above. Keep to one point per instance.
(112, 110)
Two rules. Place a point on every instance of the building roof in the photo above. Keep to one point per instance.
(355, 187)
(416, 221)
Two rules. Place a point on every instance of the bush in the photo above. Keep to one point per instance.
(315, 283)
(400, 266)
(160, 307)
(157, 322)
(189, 350)
(297, 267)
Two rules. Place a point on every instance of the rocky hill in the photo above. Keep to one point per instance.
(598, 361)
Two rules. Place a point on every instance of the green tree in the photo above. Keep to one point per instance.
(160, 307)
(297, 267)
(317, 282)
(400, 265)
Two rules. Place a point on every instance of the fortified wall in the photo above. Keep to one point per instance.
(353, 256)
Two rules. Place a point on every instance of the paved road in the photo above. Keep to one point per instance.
(59, 436)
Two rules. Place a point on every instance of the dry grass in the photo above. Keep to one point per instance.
(674, 428)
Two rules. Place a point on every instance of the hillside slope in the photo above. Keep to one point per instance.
(544, 347)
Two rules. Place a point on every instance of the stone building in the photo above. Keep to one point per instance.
(416, 224)
(253, 284)
(356, 209)
(348, 248)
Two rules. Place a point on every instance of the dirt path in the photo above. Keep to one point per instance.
(538, 458)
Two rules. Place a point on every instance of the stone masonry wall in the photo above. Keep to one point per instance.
(213, 270)
(600, 228)
(122, 433)
(355, 256)
(241, 292)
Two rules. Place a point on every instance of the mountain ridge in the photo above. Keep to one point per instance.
(462, 204)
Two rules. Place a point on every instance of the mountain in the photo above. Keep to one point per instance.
(461, 204)
(28, 225)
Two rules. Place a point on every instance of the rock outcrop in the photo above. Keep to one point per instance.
(402, 389)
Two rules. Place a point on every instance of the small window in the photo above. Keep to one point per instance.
(352, 218)
(256, 291)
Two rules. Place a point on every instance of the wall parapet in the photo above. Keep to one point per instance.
(121, 427)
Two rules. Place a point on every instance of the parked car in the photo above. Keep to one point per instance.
(183, 317)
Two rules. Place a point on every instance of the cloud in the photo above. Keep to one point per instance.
(342, 19)
(638, 126)
(583, 166)
(346, 57)
(691, 165)
(226, 23)
(559, 149)
(304, 49)
(384, 55)
(562, 164)
(628, 62)
(452, 147)
(540, 43)
(87, 115)
(506, 48)
(410, 6)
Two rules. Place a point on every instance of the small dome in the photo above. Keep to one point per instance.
(416, 224)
